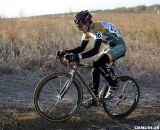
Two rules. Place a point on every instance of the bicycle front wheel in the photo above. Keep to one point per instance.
(57, 98)
(125, 100)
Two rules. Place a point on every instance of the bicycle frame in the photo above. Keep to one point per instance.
(74, 72)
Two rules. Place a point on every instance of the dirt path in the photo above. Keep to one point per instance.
(17, 108)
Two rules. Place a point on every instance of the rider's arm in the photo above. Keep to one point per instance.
(80, 48)
(94, 50)
(97, 43)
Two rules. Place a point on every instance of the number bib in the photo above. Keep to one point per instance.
(111, 28)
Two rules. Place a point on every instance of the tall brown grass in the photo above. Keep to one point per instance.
(27, 43)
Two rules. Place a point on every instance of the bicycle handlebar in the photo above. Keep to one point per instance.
(65, 62)
(73, 65)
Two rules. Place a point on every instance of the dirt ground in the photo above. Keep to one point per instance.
(17, 112)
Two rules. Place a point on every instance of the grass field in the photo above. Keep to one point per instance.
(27, 43)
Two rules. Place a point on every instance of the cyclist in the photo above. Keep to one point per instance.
(102, 32)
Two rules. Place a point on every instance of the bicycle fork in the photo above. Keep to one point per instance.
(66, 85)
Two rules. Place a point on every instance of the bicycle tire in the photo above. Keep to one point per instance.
(40, 86)
(135, 86)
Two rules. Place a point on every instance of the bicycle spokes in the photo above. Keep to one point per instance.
(125, 99)
(58, 98)
(64, 89)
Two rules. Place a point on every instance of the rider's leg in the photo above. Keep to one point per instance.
(100, 61)
(99, 64)
(99, 68)
(112, 54)
(96, 78)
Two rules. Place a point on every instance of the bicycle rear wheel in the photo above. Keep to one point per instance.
(125, 100)
(48, 99)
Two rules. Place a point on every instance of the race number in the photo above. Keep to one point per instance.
(98, 35)
(112, 29)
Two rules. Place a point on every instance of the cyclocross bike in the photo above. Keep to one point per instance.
(58, 96)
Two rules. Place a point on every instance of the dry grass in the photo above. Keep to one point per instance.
(28, 42)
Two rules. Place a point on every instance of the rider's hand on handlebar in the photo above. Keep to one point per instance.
(61, 53)
(72, 57)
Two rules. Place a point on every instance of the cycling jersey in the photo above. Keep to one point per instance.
(102, 32)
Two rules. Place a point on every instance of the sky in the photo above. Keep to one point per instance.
(24, 8)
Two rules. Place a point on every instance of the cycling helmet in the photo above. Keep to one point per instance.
(82, 17)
